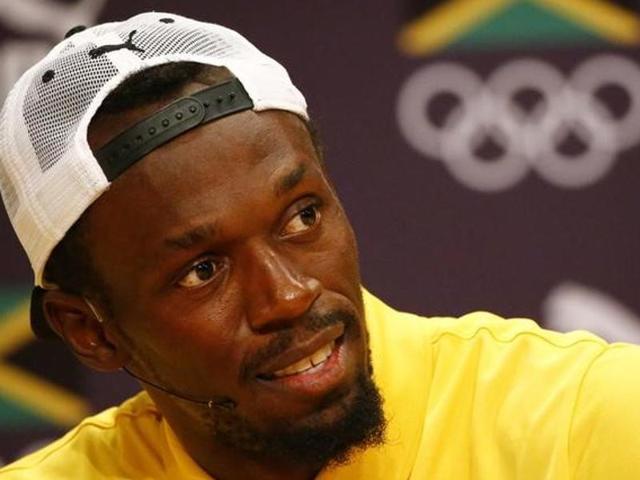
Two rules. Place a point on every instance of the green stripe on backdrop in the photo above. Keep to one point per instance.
(11, 297)
(14, 415)
(526, 24)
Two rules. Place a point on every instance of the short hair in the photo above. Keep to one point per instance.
(70, 266)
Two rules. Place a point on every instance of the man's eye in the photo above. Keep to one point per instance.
(304, 220)
(201, 273)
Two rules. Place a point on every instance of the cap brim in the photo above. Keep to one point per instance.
(39, 324)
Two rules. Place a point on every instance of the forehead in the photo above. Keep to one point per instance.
(224, 171)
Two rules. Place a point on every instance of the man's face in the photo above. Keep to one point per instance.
(232, 271)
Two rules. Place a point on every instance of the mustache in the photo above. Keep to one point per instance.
(283, 340)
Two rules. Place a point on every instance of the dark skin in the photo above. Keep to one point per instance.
(211, 247)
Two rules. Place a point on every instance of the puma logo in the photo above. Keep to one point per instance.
(97, 52)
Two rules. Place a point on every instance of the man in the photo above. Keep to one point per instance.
(169, 190)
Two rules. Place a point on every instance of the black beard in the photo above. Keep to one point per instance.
(360, 425)
(314, 443)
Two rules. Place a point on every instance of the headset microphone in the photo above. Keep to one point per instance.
(225, 403)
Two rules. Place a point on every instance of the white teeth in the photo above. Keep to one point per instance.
(313, 360)
(321, 355)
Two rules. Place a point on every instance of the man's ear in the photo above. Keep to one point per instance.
(73, 319)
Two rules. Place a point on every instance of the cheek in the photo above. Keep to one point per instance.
(348, 248)
(335, 261)
(185, 334)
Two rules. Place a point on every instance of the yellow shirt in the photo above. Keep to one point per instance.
(477, 397)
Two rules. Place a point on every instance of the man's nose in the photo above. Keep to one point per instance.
(278, 292)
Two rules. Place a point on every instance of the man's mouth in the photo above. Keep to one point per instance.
(314, 360)
(307, 357)
(318, 361)
(314, 375)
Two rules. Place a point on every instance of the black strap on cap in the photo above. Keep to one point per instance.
(173, 120)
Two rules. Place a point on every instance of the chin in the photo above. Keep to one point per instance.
(343, 424)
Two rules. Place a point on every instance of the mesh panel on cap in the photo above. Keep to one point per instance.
(174, 38)
(53, 109)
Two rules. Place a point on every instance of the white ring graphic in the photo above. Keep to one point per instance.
(593, 127)
(465, 135)
(418, 93)
(614, 70)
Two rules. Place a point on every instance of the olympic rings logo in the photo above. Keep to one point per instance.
(523, 137)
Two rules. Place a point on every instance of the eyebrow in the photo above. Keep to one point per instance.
(206, 232)
(192, 237)
(289, 181)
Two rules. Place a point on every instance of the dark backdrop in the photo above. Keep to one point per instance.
(566, 256)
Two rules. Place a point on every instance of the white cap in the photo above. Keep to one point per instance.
(48, 174)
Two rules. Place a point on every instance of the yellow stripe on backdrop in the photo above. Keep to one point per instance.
(610, 21)
(437, 28)
(48, 400)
